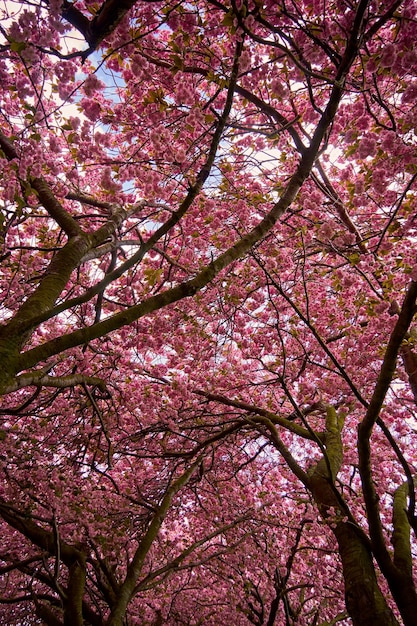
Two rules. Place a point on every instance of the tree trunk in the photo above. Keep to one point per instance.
(365, 602)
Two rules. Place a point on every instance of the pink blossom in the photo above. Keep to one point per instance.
(245, 61)
(92, 84)
(381, 307)
(413, 273)
(410, 94)
(92, 109)
(367, 147)
(388, 56)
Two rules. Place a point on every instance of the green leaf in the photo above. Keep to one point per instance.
(228, 19)
(354, 258)
(178, 62)
(17, 46)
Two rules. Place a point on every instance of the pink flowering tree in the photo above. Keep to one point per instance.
(208, 289)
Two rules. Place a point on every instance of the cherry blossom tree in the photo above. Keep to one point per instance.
(208, 290)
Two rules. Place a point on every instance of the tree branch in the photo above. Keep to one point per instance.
(127, 588)
(401, 530)
(59, 382)
(366, 426)
(255, 410)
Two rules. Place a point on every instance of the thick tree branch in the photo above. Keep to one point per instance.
(253, 410)
(54, 208)
(127, 588)
(74, 559)
(387, 369)
(107, 19)
(37, 535)
(58, 382)
(401, 531)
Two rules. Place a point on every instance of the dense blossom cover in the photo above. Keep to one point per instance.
(208, 284)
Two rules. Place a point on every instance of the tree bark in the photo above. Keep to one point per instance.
(365, 602)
